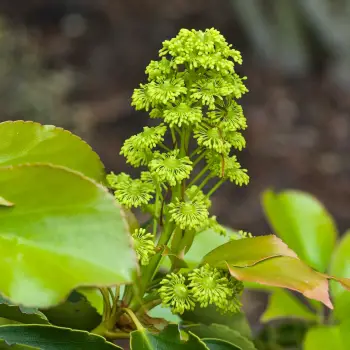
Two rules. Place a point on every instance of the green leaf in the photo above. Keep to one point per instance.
(247, 252)
(218, 344)
(53, 338)
(94, 296)
(222, 332)
(210, 315)
(76, 312)
(164, 312)
(169, 339)
(340, 267)
(283, 304)
(324, 337)
(14, 313)
(65, 231)
(287, 272)
(29, 142)
(304, 224)
(4, 346)
(5, 203)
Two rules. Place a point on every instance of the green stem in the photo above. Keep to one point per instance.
(199, 158)
(216, 186)
(134, 319)
(204, 182)
(106, 303)
(195, 152)
(164, 147)
(173, 136)
(199, 175)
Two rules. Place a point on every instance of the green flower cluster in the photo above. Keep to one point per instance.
(193, 91)
(203, 286)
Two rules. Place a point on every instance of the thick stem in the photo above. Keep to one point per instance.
(134, 319)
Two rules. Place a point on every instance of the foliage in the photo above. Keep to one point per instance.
(303, 222)
(63, 234)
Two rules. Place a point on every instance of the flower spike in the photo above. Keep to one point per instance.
(144, 245)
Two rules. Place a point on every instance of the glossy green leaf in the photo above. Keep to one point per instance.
(64, 231)
(164, 312)
(4, 346)
(169, 339)
(304, 224)
(340, 267)
(324, 337)
(5, 203)
(76, 312)
(29, 142)
(210, 315)
(283, 304)
(218, 344)
(222, 332)
(286, 272)
(14, 313)
(247, 252)
(48, 337)
(94, 296)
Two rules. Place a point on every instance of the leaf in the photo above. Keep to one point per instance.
(286, 272)
(340, 267)
(304, 224)
(48, 337)
(29, 142)
(218, 344)
(14, 313)
(65, 231)
(4, 346)
(247, 252)
(324, 337)
(5, 203)
(76, 312)
(222, 332)
(210, 315)
(283, 304)
(165, 313)
(169, 339)
(94, 296)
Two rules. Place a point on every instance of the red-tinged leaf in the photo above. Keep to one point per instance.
(248, 252)
(286, 272)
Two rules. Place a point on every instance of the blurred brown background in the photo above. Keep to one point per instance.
(74, 63)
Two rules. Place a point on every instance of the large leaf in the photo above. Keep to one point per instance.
(169, 339)
(218, 344)
(63, 232)
(340, 267)
(29, 142)
(286, 272)
(283, 304)
(210, 315)
(222, 332)
(47, 337)
(14, 313)
(4, 346)
(76, 312)
(304, 224)
(247, 252)
(5, 202)
(324, 337)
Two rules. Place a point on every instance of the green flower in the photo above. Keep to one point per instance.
(241, 235)
(158, 69)
(166, 90)
(113, 179)
(213, 138)
(143, 245)
(188, 214)
(209, 286)
(169, 168)
(236, 140)
(134, 154)
(232, 304)
(175, 294)
(133, 193)
(229, 114)
(193, 193)
(183, 114)
(141, 98)
(228, 168)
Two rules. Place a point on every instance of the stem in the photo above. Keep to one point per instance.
(106, 303)
(216, 186)
(173, 136)
(134, 319)
(195, 152)
(164, 147)
(199, 158)
(204, 182)
(199, 175)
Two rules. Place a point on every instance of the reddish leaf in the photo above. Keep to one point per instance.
(248, 252)
(286, 272)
